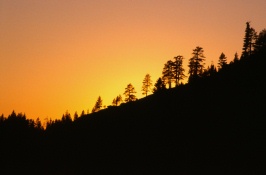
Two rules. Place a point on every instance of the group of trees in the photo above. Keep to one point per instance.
(117, 101)
(253, 42)
(129, 94)
(20, 122)
(196, 63)
(174, 72)
(222, 138)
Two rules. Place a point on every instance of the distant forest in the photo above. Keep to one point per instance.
(213, 124)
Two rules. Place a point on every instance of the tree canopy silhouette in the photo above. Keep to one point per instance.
(168, 73)
(130, 93)
(98, 105)
(210, 71)
(222, 61)
(236, 58)
(178, 69)
(117, 101)
(249, 40)
(146, 85)
(215, 126)
(260, 45)
(196, 63)
(159, 86)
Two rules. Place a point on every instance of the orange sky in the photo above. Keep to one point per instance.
(58, 55)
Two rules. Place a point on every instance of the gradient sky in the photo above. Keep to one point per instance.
(58, 55)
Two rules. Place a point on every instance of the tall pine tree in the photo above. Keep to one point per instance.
(117, 101)
(178, 69)
(249, 41)
(196, 63)
(130, 93)
(98, 105)
(159, 86)
(222, 61)
(260, 45)
(236, 58)
(168, 73)
(146, 85)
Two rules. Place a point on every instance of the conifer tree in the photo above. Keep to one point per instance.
(98, 105)
(82, 113)
(168, 73)
(261, 41)
(2, 118)
(249, 41)
(196, 63)
(146, 85)
(130, 93)
(210, 71)
(38, 124)
(236, 58)
(76, 116)
(117, 101)
(222, 61)
(159, 86)
(178, 69)
(66, 117)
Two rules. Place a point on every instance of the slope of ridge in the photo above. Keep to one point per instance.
(213, 126)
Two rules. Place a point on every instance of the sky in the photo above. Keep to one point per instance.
(60, 55)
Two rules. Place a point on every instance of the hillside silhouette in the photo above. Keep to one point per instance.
(212, 125)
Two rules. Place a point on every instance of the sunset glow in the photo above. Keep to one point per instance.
(61, 55)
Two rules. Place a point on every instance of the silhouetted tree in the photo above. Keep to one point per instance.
(82, 113)
(32, 124)
(114, 102)
(222, 61)
(261, 41)
(13, 115)
(159, 86)
(178, 69)
(196, 63)
(76, 116)
(18, 121)
(117, 101)
(49, 124)
(66, 117)
(146, 85)
(236, 58)
(249, 41)
(168, 73)
(129, 93)
(38, 124)
(2, 118)
(210, 71)
(98, 105)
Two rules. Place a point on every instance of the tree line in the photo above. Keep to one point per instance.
(174, 72)
(173, 75)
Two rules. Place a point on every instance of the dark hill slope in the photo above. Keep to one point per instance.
(213, 126)
(216, 125)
